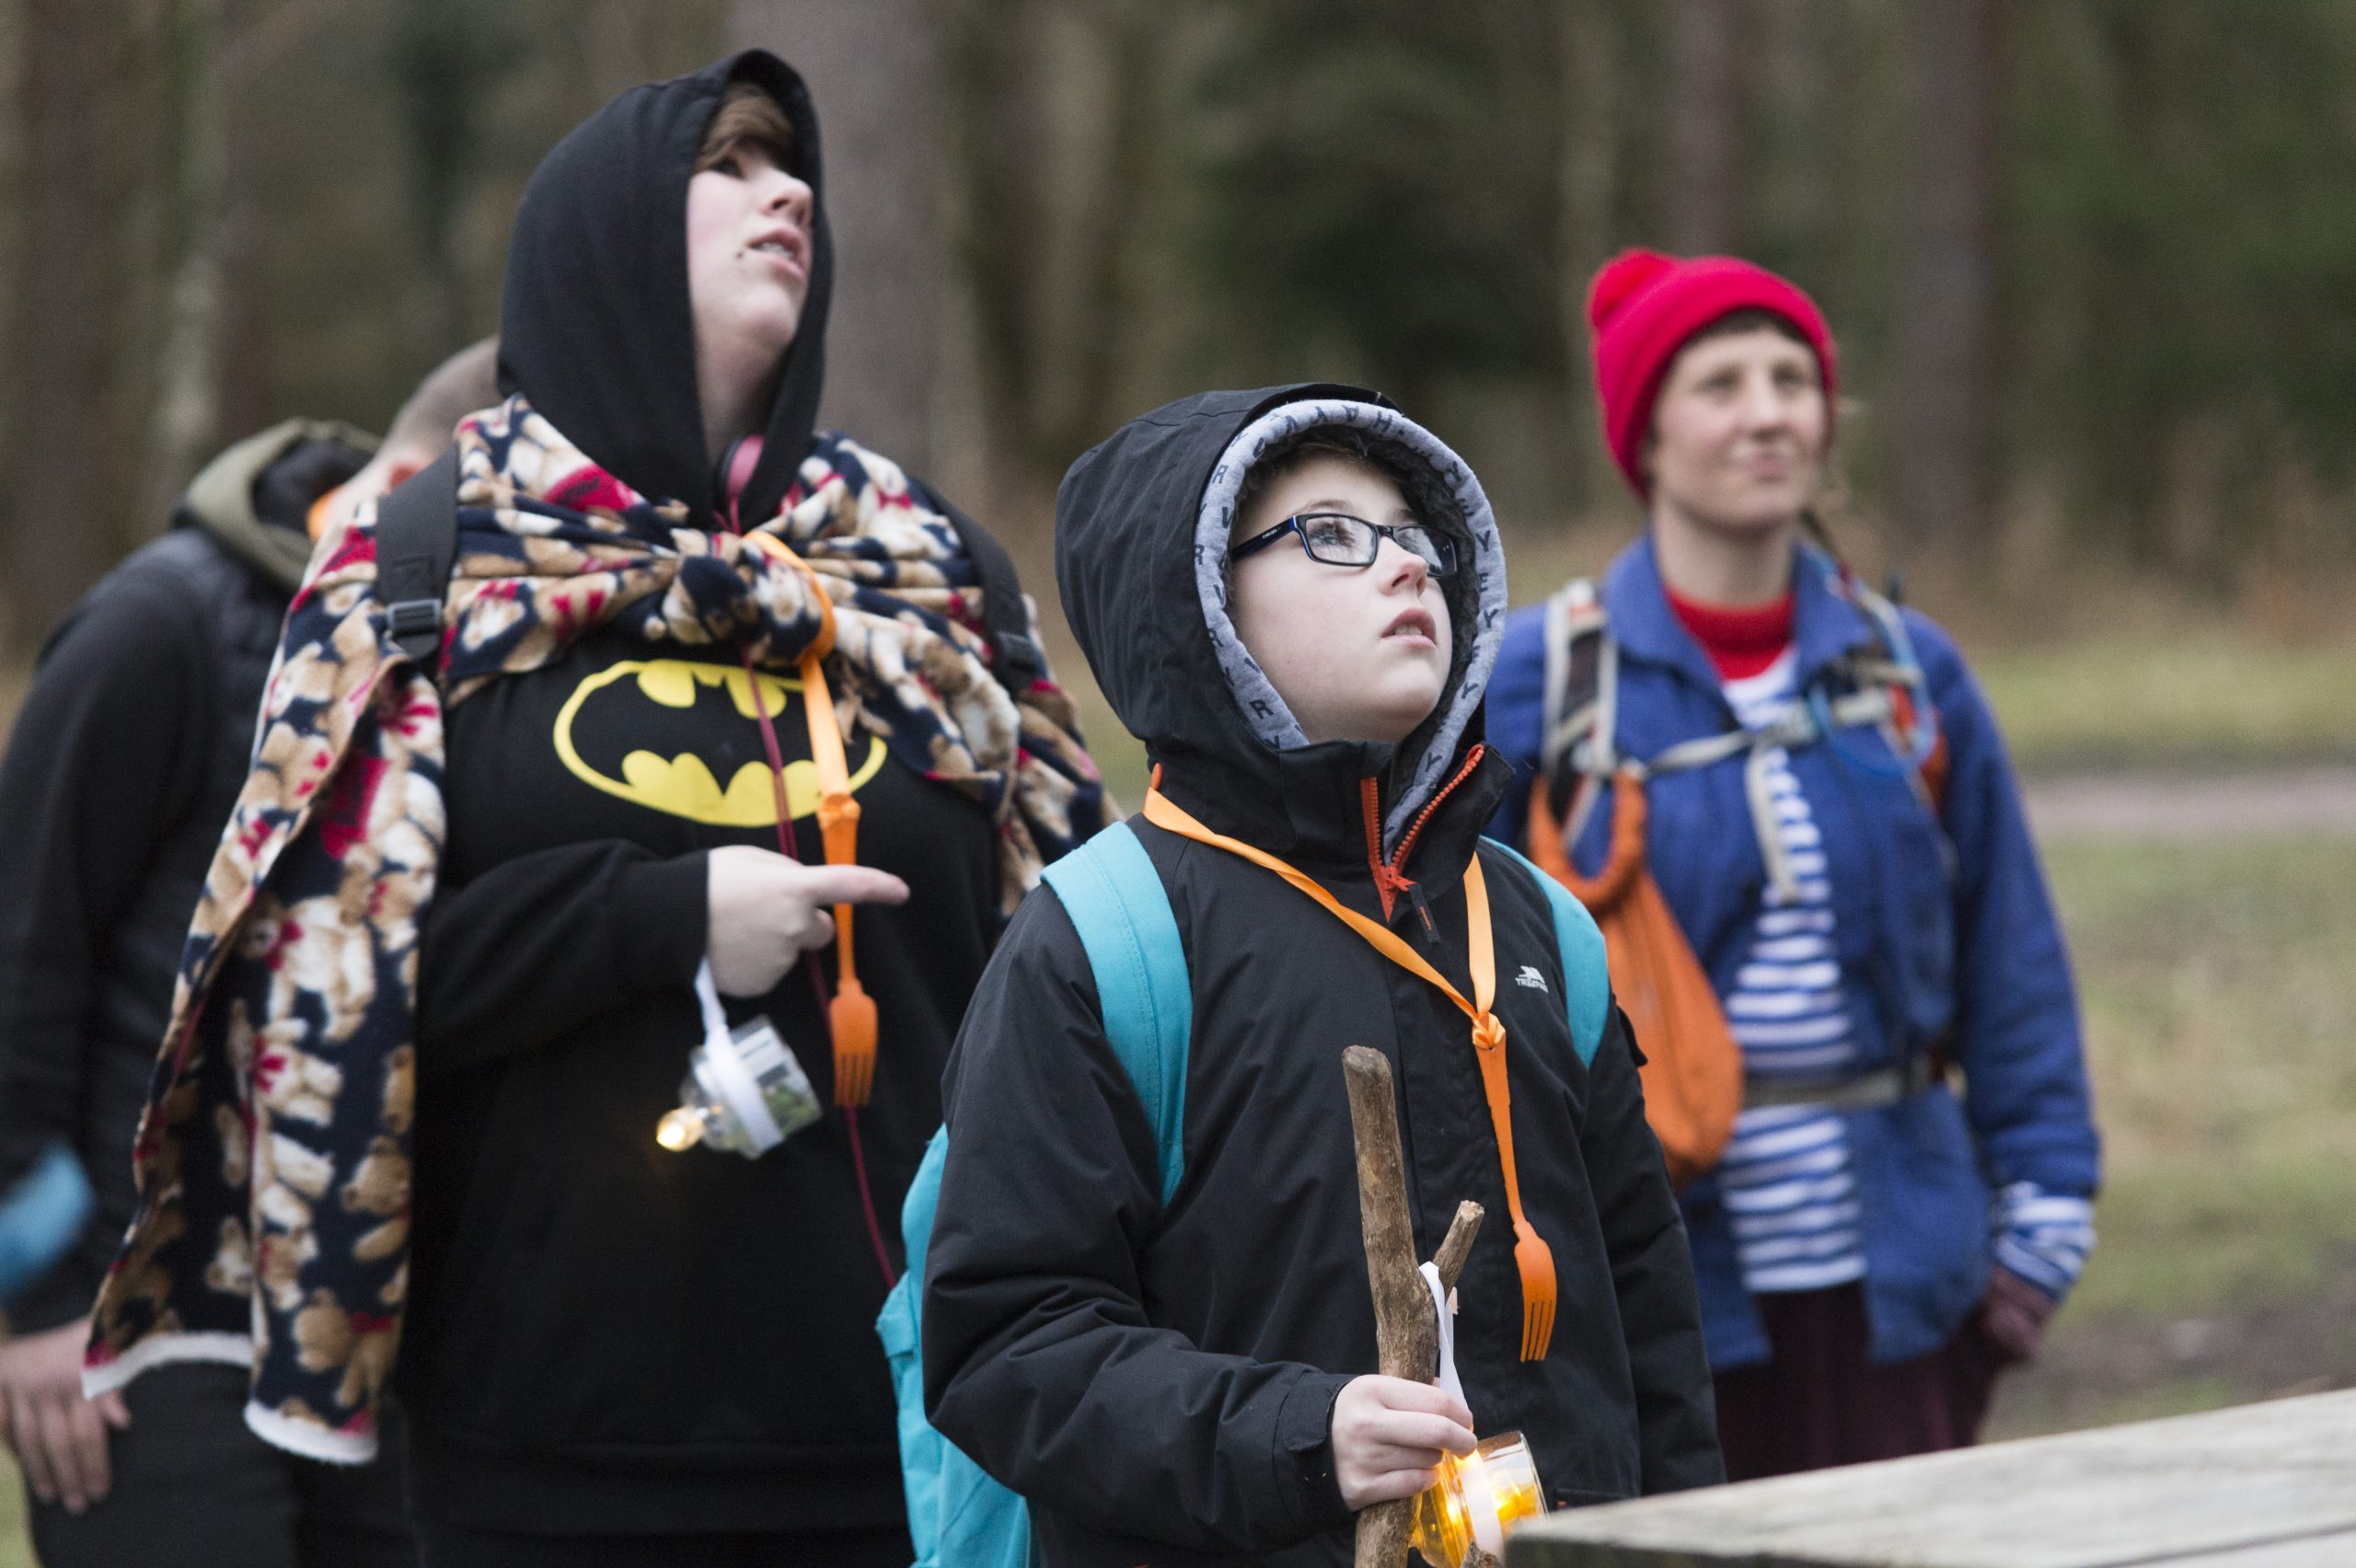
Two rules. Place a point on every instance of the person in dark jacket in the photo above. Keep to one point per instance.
(473, 913)
(1866, 900)
(127, 755)
(1293, 598)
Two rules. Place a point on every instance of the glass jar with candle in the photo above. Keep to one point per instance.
(744, 1091)
(1464, 1519)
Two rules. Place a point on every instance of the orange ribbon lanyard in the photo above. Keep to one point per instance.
(851, 1015)
(1531, 1255)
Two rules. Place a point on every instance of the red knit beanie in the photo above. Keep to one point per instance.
(1643, 306)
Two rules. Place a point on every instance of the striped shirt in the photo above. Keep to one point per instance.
(2042, 1237)
(1786, 1178)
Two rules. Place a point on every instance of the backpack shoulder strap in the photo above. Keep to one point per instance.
(1892, 676)
(1016, 660)
(1586, 978)
(924, 1197)
(1578, 717)
(1893, 657)
(958, 1516)
(1577, 630)
(1117, 904)
(417, 542)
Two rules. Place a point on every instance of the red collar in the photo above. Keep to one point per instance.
(1740, 640)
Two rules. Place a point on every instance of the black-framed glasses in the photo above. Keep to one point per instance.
(1339, 539)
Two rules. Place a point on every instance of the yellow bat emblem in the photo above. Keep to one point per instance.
(663, 764)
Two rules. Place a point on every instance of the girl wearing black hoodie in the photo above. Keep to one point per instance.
(446, 976)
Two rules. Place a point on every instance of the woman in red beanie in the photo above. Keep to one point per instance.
(1812, 780)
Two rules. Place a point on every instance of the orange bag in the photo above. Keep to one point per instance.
(1692, 1071)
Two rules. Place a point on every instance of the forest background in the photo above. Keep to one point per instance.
(2092, 264)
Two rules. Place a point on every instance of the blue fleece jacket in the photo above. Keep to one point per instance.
(1945, 928)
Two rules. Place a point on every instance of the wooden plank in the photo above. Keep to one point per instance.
(2215, 1488)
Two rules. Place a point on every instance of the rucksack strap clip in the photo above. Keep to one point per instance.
(415, 626)
(1020, 664)
(417, 539)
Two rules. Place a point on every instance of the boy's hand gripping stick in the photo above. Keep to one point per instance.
(1406, 1322)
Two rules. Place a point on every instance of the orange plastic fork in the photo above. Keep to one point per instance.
(1531, 1257)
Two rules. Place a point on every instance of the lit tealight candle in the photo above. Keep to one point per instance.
(1477, 1502)
(680, 1128)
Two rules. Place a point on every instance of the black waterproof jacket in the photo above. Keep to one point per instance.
(130, 750)
(1159, 1382)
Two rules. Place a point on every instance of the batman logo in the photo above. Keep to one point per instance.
(663, 732)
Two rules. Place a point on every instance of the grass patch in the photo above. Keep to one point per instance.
(2220, 1003)
(2209, 699)
(2203, 1242)
(2030, 1408)
(15, 1549)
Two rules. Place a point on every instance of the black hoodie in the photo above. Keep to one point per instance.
(594, 324)
(130, 749)
(605, 1337)
(1159, 1382)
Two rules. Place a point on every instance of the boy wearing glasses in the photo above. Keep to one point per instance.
(1293, 596)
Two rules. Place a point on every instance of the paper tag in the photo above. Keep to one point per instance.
(1440, 1305)
(715, 1017)
(739, 1091)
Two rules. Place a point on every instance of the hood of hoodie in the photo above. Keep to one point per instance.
(256, 497)
(596, 327)
(1141, 531)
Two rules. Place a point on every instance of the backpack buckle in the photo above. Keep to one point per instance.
(414, 625)
(1022, 659)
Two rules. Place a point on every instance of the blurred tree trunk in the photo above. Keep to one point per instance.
(443, 67)
(995, 99)
(621, 41)
(874, 71)
(1705, 125)
(1058, 108)
(212, 357)
(1107, 215)
(187, 419)
(1586, 179)
(63, 529)
(1948, 287)
(245, 327)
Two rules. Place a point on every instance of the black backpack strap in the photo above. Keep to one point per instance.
(417, 543)
(1016, 660)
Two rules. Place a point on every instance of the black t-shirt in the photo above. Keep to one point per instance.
(603, 1334)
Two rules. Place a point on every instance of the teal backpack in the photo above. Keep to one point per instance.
(959, 1516)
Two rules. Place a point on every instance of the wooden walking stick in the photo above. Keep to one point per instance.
(1407, 1331)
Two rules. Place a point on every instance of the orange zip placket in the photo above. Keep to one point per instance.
(1390, 881)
